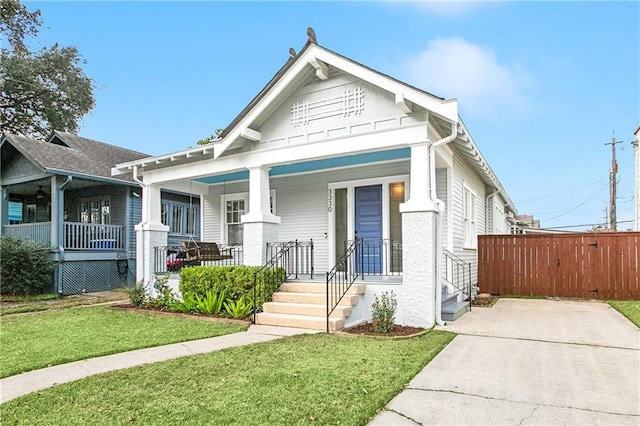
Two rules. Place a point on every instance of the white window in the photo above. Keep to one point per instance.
(95, 210)
(233, 207)
(179, 217)
(469, 211)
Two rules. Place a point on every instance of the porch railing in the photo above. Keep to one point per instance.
(270, 277)
(82, 236)
(376, 256)
(76, 236)
(457, 273)
(300, 257)
(39, 232)
(342, 276)
(169, 259)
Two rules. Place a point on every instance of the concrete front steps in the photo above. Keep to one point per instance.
(303, 305)
(451, 308)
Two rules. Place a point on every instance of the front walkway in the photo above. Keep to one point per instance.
(529, 362)
(33, 381)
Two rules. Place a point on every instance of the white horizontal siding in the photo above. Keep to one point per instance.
(463, 175)
(441, 193)
(301, 203)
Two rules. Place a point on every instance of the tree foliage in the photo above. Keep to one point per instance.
(44, 90)
(211, 138)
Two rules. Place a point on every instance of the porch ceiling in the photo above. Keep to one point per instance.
(317, 165)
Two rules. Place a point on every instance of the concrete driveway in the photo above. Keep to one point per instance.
(525, 362)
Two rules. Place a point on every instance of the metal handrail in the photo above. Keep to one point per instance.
(341, 277)
(302, 260)
(272, 280)
(460, 274)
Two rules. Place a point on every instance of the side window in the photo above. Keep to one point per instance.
(469, 211)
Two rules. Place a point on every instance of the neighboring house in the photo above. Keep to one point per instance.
(525, 224)
(60, 193)
(331, 151)
(637, 173)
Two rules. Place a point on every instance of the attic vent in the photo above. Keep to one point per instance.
(57, 141)
(333, 73)
(351, 102)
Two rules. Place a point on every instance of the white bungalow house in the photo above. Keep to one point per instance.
(329, 153)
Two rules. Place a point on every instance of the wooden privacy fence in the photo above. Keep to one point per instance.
(585, 265)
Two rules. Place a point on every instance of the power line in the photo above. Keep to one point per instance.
(586, 224)
(560, 193)
(579, 205)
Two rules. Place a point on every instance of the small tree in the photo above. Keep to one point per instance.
(25, 267)
(384, 310)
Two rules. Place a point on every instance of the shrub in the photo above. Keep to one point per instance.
(238, 309)
(25, 267)
(165, 297)
(188, 305)
(138, 295)
(384, 310)
(235, 281)
(211, 303)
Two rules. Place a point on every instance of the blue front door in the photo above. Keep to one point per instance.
(368, 217)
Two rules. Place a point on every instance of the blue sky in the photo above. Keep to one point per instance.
(541, 85)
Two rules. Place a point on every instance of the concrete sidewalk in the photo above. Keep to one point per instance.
(529, 362)
(32, 381)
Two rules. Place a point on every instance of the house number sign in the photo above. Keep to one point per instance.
(330, 201)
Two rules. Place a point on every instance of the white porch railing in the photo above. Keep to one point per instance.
(77, 236)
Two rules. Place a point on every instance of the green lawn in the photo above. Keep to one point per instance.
(37, 340)
(628, 308)
(321, 379)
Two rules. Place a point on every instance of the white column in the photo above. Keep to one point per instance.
(260, 226)
(421, 187)
(416, 307)
(55, 229)
(150, 233)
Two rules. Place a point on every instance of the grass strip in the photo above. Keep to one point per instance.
(628, 308)
(319, 379)
(39, 340)
(29, 298)
(56, 304)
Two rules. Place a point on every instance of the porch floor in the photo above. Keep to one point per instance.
(366, 279)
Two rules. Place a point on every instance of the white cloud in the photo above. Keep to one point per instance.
(455, 68)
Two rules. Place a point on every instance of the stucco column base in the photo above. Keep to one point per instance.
(416, 306)
(255, 239)
(148, 236)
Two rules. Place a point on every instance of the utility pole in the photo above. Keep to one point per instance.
(613, 172)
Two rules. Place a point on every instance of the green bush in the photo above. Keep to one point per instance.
(138, 295)
(238, 309)
(25, 267)
(211, 303)
(165, 297)
(235, 281)
(384, 310)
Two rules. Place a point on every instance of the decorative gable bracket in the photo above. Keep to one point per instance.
(322, 70)
(252, 135)
(405, 105)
